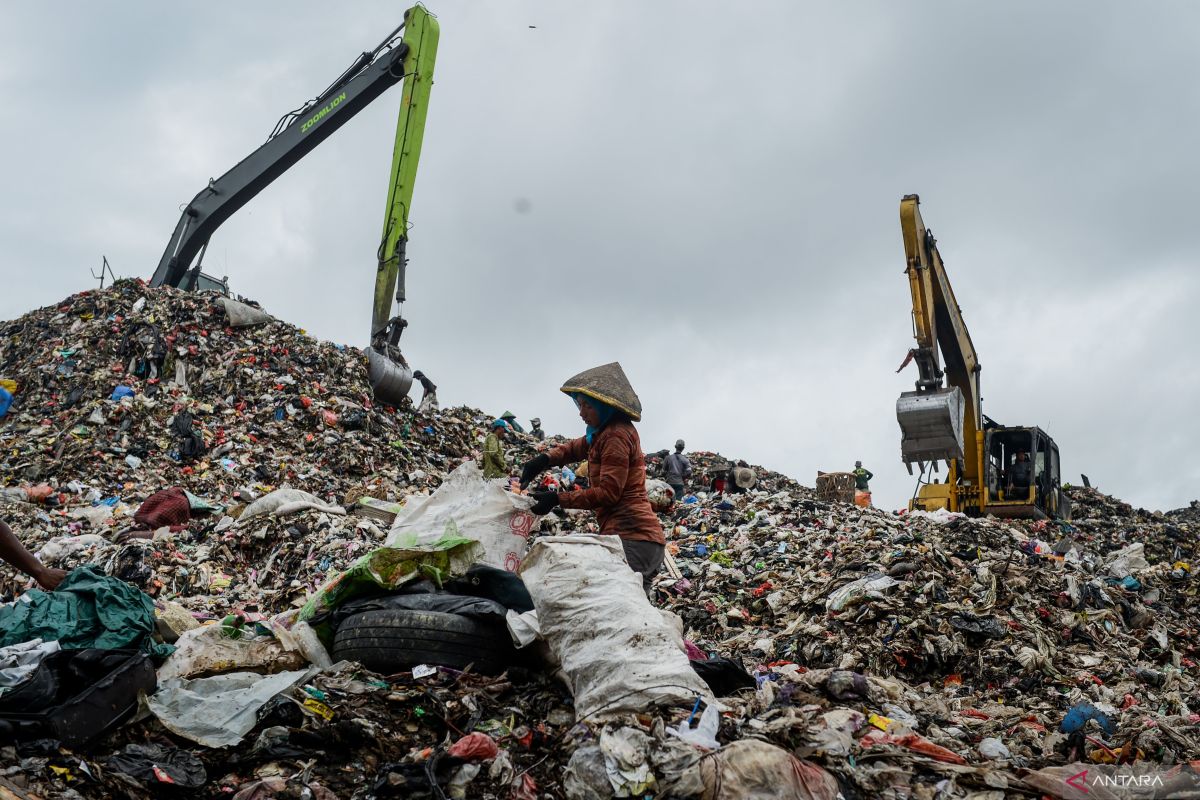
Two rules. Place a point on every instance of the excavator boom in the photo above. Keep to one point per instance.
(1008, 472)
(938, 420)
(420, 43)
(409, 58)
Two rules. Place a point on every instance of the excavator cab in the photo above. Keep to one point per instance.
(1022, 477)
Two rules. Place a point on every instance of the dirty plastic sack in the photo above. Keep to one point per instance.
(1127, 561)
(617, 651)
(153, 763)
(242, 315)
(220, 710)
(857, 591)
(205, 651)
(660, 493)
(753, 770)
(586, 777)
(284, 501)
(469, 506)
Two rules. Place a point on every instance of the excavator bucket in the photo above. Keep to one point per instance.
(390, 377)
(931, 425)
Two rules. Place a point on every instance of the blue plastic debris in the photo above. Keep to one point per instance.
(1079, 715)
(121, 391)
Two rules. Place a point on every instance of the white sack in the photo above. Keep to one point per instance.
(617, 650)
(467, 505)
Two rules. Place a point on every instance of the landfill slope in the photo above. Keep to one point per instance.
(273, 406)
(893, 654)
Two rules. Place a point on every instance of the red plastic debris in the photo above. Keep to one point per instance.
(475, 747)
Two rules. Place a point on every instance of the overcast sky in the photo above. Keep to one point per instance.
(706, 192)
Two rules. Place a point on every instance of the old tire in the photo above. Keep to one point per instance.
(392, 640)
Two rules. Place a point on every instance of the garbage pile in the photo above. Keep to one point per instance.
(127, 392)
(964, 641)
(234, 474)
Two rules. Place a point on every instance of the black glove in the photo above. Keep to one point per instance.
(534, 467)
(543, 502)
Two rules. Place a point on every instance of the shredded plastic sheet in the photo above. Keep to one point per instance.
(218, 711)
(18, 662)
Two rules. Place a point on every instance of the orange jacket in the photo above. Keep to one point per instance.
(617, 482)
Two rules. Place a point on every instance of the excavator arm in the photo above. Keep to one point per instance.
(295, 136)
(940, 419)
(420, 44)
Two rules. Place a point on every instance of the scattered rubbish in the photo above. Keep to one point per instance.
(896, 653)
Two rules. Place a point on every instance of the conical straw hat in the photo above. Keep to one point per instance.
(609, 385)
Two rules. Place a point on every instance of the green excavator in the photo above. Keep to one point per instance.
(405, 56)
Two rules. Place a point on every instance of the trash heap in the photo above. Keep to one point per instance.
(107, 380)
(965, 641)
(853, 652)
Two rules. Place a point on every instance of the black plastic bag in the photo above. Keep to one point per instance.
(155, 765)
(723, 675)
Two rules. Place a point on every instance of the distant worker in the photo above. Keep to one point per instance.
(536, 431)
(429, 401)
(616, 468)
(740, 478)
(1019, 477)
(678, 469)
(862, 477)
(494, 465)
(15, 554)
(511, 419)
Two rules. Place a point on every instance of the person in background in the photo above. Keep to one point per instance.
(511, 419)
(429, 401)
(740, 478)
(15, 554)
(862, 477)
(678, 469)
(536, 430)
(494, 465)
(616, 468)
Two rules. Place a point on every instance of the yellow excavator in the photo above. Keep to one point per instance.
(1010, 472)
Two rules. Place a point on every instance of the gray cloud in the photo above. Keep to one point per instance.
(711, 198)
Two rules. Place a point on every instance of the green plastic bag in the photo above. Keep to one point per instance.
(388, 568)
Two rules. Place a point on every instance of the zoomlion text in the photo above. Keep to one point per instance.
(320, 115)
